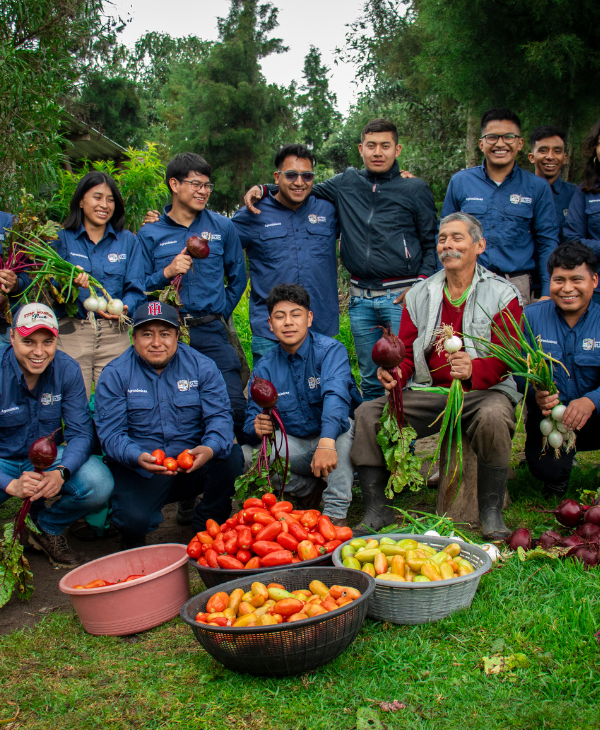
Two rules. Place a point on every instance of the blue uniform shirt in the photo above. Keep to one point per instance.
(583, 221)
(315, 388)
(578, 348)
(26, 415)
(292, 247)
(203, 290)
(562, 193)
(139, 410)
(6, 223)
(117, 261)
(518, 218)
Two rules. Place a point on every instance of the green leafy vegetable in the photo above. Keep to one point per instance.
(402, 465)
(15, 572)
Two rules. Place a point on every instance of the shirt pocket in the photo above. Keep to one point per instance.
(113, 277)
(319, 241)
(474, 207)
(50, 415)
(592, 211)
(272, 243)
(479, 327)
(519, 215)
(188, 411)
(13, 422)
(139, 413)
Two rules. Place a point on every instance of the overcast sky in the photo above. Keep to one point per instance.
(321, 23)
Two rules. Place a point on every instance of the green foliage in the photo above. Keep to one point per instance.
(15, 573)
(241, 319)
(317, 102)
(140, 178)
(402, 465)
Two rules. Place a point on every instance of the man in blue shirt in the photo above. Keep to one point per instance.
(206, 301)
(569, 327)
(292, 240)
(163, 395)
(514, 207)
(316, 400)
(42, 393)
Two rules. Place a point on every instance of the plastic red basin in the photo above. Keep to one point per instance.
(141, 604)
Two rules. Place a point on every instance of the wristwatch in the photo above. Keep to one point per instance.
(64, 472)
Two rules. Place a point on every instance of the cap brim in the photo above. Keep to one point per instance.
(156, 319)
(26, 331)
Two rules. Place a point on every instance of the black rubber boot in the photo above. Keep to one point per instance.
(373, 481)
(491, 490)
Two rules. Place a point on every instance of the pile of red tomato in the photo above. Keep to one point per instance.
(264, 534)
(184, 461)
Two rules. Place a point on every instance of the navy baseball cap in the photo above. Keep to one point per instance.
(152, 311)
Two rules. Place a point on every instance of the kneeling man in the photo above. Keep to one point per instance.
(161, 394)
(316, 400)
(568, 325)
(462, 295)
(42, 392)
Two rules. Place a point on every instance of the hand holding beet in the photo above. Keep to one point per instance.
(180, 265)
(263, 425)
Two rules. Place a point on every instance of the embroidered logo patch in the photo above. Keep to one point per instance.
(113, 258)
(205, 236)
(193, 384)
(314, 382)
(312, 218)
(588, 344)
(322, 219)
(183, 385)
(516, 199)
(46, 399)
(154, 308)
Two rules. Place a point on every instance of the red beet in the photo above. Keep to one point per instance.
(43, 452)
(592, 515)
(197, 247)
(572, 541)
(588, 531)
(389, 351)
(520, 538)
(568, 513)
(585, 554)
(549, 539)
(263, 393)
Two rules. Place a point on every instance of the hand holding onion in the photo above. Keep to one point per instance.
(546, 402)
(461, 365)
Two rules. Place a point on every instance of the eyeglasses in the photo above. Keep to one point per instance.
(292, 176)
(507, 138)
(196, 185)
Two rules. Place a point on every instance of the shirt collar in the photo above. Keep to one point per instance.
(150, 368)
(165, 218)
(283, 207)
(510, 175)
(579, 321)
(303, 351)
(557, 186)
(110, 231)
(390, 174)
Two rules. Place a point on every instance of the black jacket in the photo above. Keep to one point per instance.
(388, 225)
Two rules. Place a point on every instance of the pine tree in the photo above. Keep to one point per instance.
(317, 103)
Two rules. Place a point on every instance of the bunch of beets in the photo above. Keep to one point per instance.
(584, 540)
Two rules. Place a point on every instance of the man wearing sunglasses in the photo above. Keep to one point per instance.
(206, 300)
(514, 207)
(292, 241)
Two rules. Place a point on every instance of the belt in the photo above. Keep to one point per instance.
(513, 274)
(197, 321)
(356, 291)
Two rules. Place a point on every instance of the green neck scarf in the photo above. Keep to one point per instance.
(456, 302)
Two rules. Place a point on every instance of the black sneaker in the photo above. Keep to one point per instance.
(56, 548)
(185, 511)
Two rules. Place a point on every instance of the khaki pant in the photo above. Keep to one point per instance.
(488, 418)
(523, 284)
(93, 349)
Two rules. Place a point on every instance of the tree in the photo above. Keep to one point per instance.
(317, 103)
(222, 107)
(44, 44)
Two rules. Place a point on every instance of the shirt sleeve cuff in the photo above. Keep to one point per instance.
(71, 461)
(594, 396)
(214, 445)
(131, 455)
(330, 431)
(5, 480)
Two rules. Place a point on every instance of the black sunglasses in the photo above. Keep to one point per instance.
(292, 176)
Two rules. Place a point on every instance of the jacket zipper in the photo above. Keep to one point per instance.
(369, 219)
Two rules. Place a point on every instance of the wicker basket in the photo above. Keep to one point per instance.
(284, 649)
(422, 603)
(215, 576)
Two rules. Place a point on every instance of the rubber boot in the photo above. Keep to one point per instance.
(373, 481)
(491, 490)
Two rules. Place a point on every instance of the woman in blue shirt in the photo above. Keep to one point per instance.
(94, 239)
(583, 216)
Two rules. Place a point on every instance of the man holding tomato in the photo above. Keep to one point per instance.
(164, 398)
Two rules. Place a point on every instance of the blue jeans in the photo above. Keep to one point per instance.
(260, 346)
(86, 490)
(365, 315)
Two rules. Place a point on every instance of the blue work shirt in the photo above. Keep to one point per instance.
(26, 415)
(578, 348)
(292, 247)
(116, 261)
(518, 218)
(6, 223)
(203, 290)
(562, 193)
(138, 410)
(583, 221)
(316, 393)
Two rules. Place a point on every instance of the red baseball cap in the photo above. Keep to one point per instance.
(35, 316)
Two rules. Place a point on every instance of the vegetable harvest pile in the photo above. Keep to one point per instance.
(264, 534)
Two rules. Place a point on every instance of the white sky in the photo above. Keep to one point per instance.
(321, 23)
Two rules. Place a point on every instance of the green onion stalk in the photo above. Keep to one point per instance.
(535, 366)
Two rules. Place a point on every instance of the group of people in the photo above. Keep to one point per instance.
(506, 237)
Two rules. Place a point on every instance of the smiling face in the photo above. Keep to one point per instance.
(34, 352)
(190, 193)
(456, 249)
(293, 193)
(548, 156)
(379, 150)
(499, 154)
(572, 289)
(98, 206)
(289, 322)
(156, 342)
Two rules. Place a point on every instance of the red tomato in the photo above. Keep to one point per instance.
(159, 455)
(132, 577)
(284, 526)
(326, 528)
(204, 537)
(270, 532)
(219, 546)
(224, 527)
(269, 499)
(307, 551)
(185, 461)
(254, 502)
(298, 531)
(244, 539)
(206, 547)
(277, 557)
(281, 507)
(316, 538)
(231, 522)
(298, 513)
(243, 556)
(296, 560)
(263, 547)
(170, 464)
(310, 518)
(287, 541)
(228, 562)
(203, 562)
(229, 534)
(255, 529)
(211, 558)
(248, 514)
(264, 518)
(194, 549)
(330, 546)
(219, 621)
(212, 528)
(343, 533)
(253, 563)
(231, 546)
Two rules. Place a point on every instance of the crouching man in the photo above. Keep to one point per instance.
(316, 400)
(161, 394)
(568, 325)
(462, 296)
(42, 392)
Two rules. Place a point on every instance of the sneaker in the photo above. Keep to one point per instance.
(185, 511)
(56, 548)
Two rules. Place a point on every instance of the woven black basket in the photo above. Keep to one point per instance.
(284, 649)
(215, 576)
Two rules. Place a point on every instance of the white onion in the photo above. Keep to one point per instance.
(453, 344)
(555, 439)
(558, 412)
(546, 426)
(91, 304)
(115, 306)
(560, 426)
(435, 533)
(491, 550)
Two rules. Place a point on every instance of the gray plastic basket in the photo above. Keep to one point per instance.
(422, 603)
